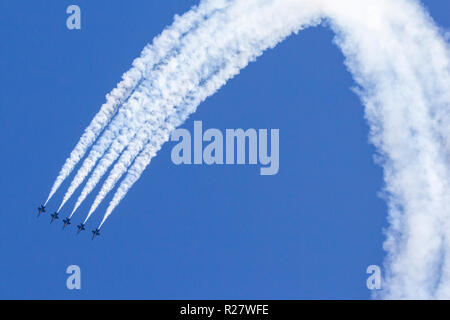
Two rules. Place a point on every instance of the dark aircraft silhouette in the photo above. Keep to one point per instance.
(41, 209)
(66, 222)
(95, 233)
(80, 227)
(54, 216)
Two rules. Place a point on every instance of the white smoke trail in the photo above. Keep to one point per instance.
(397, 56)
(211, 39)
(152, 103)
(113, 152)
(121, 166)
(101, 119)
(154, 60)
(240, 47)
(402, 66)
(401, 63)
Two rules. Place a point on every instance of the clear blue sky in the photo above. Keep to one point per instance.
(186, 232)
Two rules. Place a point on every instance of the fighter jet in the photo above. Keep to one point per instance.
(54, 216)
(66, 222)
(95, 233)
(41, 209)
(80, 227)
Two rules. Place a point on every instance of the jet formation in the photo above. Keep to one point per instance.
(55, 216)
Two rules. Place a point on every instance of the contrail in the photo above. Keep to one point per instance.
(398, 57)
(241, 54)
(401, 64)
(150, 57)
(153, 100)
(241, 45)
(133, 148)
(223, 59)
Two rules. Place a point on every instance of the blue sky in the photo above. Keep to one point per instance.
(186, 232)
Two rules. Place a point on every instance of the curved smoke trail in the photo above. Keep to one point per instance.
(156, 98)
(240, 53)
(396, 54)
(219, 64)
(150, 57)
(401, 64)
